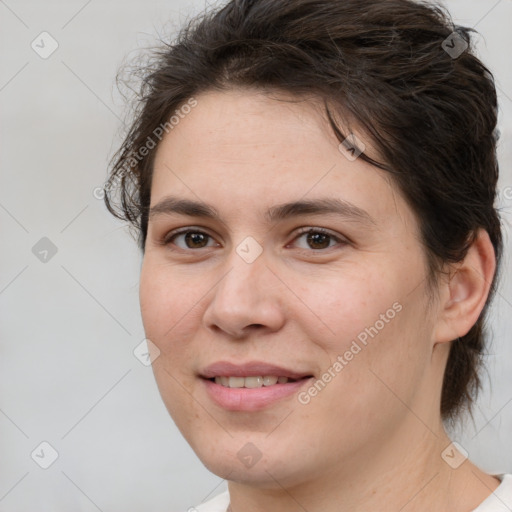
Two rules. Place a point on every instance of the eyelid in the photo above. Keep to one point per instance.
(340, 239)
(166, 238)
(317, 229)
(307, 229)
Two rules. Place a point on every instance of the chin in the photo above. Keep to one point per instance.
(267, 472)
(257, 476)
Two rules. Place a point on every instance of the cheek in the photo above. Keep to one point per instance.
(167, 300)
(381, 362)
(165, 311)
(374, 327)
(343, 305)
(171, 308)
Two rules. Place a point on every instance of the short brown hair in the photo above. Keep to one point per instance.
(387, 64)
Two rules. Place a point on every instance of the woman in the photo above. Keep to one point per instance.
(312, 183)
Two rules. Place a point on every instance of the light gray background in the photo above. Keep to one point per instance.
(69, 326)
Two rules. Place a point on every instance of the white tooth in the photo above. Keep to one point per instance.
(253, 382)
(236, 382)
(250, 382)
(269, 380)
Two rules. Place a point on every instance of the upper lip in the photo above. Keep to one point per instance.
(250, 369)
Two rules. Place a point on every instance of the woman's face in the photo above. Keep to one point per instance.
(343, 310)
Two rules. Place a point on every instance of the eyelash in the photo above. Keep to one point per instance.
(167, 239)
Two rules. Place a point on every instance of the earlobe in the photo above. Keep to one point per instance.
(466, 291)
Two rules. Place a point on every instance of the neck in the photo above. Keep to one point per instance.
(406, 474)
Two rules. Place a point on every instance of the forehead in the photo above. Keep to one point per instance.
(240, 124)
(242, 149)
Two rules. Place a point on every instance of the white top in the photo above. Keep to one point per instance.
(499, 501)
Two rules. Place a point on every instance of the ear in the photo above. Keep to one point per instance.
(464, 293)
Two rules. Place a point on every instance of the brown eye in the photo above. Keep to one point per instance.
(195, 240)
(318, 239)
(191, 239)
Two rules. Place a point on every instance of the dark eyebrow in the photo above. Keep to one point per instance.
(170, 204)
(321, 206)
(174, 205)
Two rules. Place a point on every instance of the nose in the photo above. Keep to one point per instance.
(247, 298)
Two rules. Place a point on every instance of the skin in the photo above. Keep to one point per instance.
(373, 437)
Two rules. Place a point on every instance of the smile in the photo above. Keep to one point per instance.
(251, 382)
(238, 395)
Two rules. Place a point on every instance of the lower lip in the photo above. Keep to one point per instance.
(251, 399)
